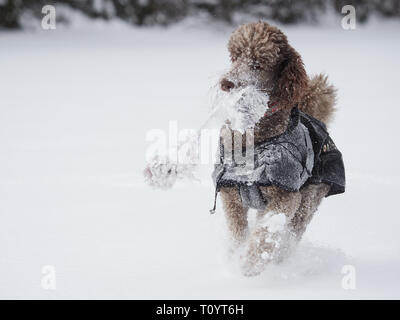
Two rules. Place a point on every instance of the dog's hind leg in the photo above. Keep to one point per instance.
(311, 197)
(236, 215)
(271, 231)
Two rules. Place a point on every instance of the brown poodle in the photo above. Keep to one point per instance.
(262, 57)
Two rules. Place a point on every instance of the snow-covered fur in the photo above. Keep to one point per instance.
(241, 108)
(262, 57)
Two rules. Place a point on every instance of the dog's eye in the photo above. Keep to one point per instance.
(256, 67)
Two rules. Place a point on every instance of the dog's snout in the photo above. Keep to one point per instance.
(227, 85)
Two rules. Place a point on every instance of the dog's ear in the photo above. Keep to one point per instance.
(292, 79)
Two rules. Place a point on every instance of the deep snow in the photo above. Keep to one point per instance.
(75, 108)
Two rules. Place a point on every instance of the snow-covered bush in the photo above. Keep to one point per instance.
(164, 12)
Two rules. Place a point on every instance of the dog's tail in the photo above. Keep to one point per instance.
(320, 98)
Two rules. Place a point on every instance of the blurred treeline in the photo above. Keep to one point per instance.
(164, 12)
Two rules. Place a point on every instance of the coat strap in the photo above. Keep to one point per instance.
(212, 211)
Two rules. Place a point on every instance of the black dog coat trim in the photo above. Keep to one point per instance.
(303, 154)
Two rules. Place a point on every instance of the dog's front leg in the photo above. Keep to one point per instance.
(268, 241)
(236, 216)
(311, 197)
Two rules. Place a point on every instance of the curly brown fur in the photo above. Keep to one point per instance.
(266, 49)
(261, 56)
(319, 99)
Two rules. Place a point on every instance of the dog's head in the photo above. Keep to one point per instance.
(262, 58)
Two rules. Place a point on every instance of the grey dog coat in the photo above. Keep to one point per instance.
(303, 154)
